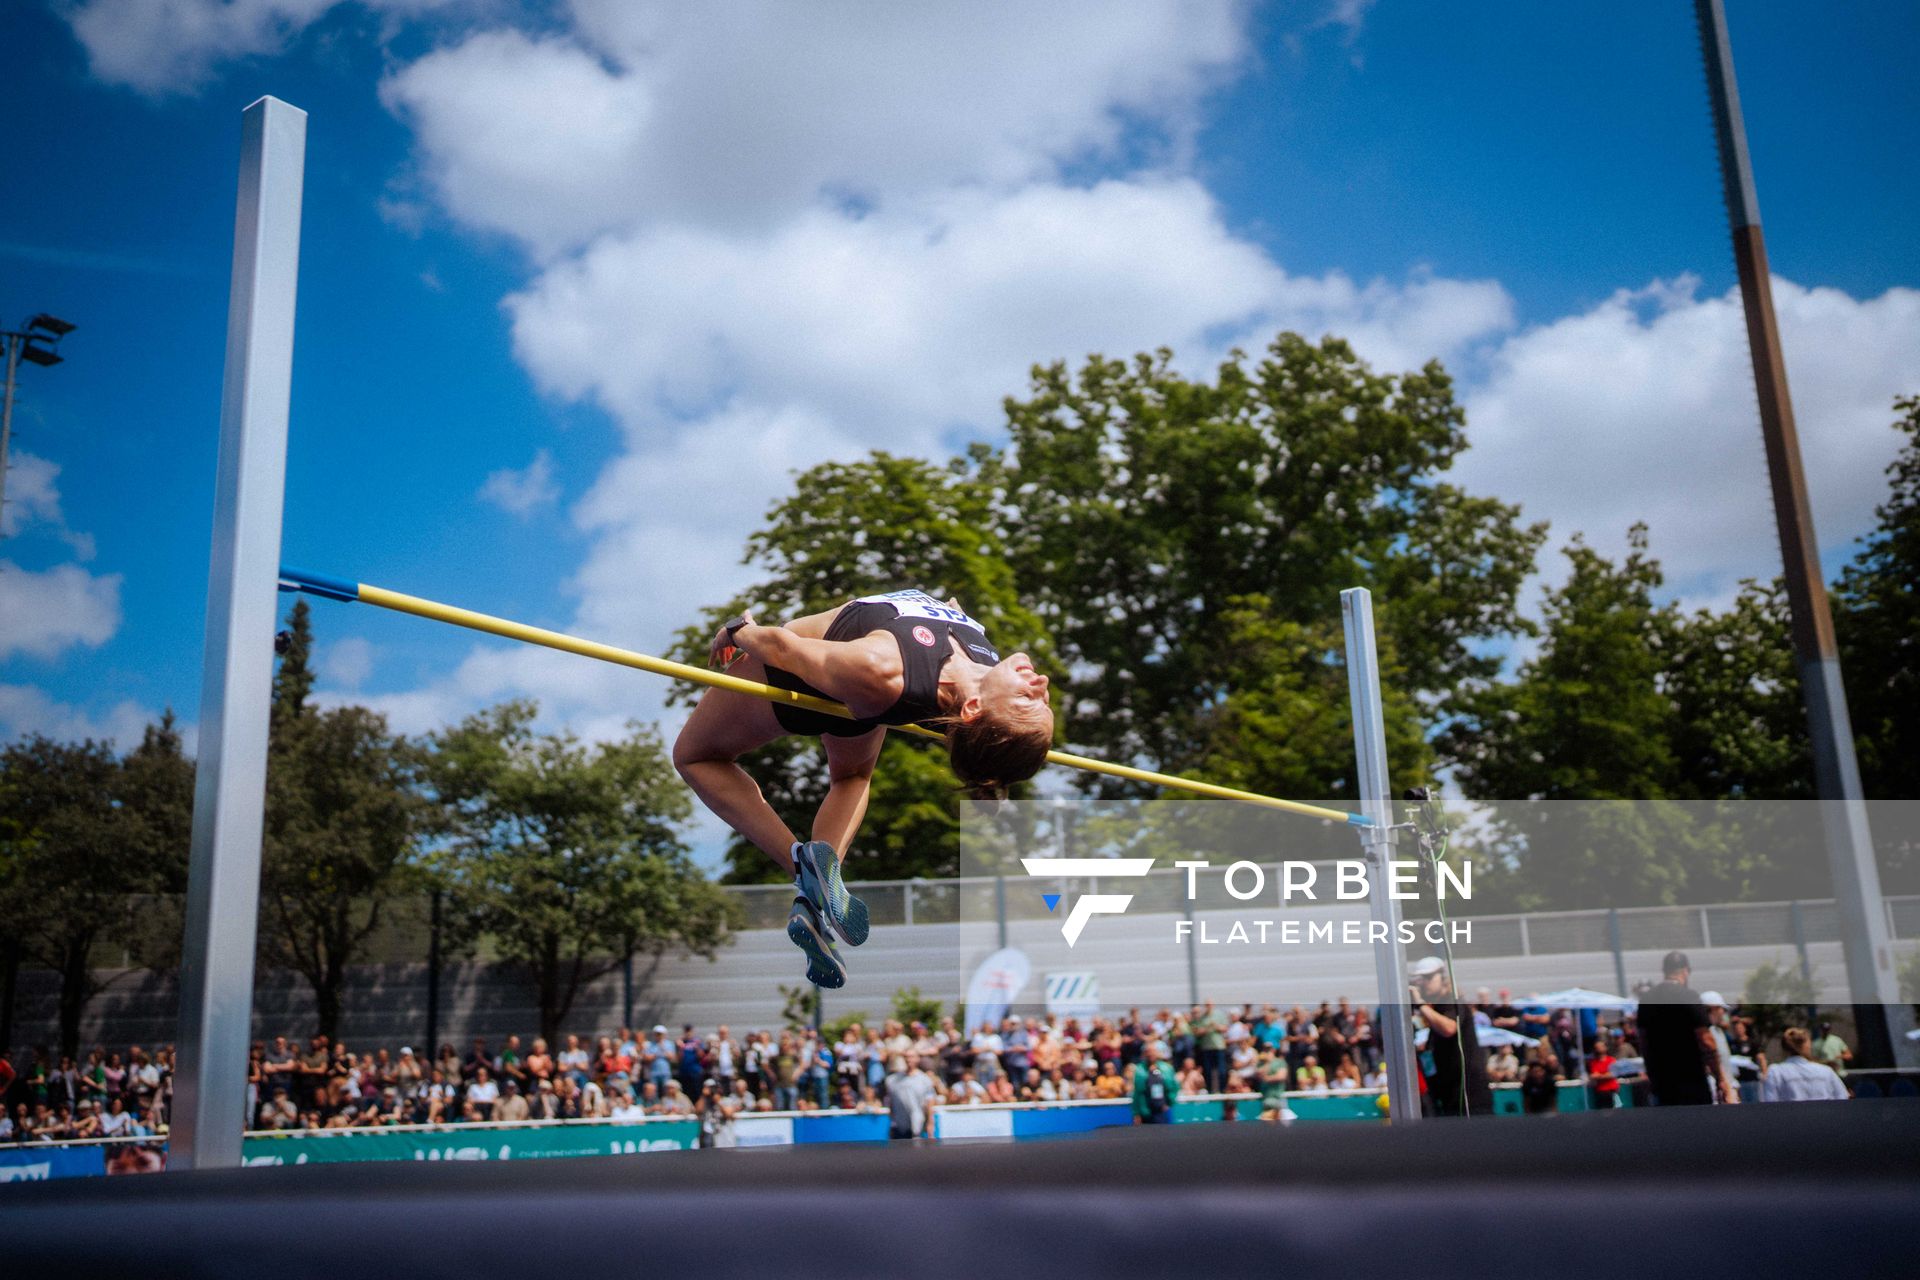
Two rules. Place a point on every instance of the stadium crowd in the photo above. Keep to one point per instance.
(718, 1075)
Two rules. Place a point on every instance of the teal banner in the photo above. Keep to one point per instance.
(533, 1143)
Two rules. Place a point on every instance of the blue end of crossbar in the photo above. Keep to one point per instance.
(320, 584)
(1358, 820)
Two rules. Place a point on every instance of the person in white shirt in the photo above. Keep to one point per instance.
(1800, 1078)
(115, 1121)
(627, 1108)
(483, 1093)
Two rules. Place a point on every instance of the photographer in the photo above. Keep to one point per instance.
(1458, 1084)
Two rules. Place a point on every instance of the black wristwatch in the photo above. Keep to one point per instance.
(733, 628)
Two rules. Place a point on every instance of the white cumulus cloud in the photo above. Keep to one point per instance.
(42, 614)
(1642, 408)
(525, 491)
(25, 709)
(737, 115)
(175, 46)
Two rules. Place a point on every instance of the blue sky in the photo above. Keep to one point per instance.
(582, 285)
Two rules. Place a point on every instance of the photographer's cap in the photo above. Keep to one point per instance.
(1426, 967)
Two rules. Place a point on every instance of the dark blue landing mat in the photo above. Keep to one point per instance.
(1685, 1192)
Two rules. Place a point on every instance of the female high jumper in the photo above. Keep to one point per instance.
(899, 658)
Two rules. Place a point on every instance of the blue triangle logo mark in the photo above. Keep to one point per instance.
(1051, 899)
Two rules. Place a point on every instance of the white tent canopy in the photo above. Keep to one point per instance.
(1581, 998)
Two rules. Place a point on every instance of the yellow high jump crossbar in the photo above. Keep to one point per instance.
(332, 588)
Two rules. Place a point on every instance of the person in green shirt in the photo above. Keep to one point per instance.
(1829, 1050)
(1155, 1087)
(1210, 1031)
(1273, 1080)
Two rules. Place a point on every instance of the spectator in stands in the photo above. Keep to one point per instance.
(540, 1066)
(512, 1104)
(1271, 1077)
(448, 1065)
(1725, 1089)
(1155, 1089)
(723, 1059)
(1801, 1077)
(1676, 1040)
(575, 1061)
(1831, 1052)
(279, 1111)
(910, 1095)
(656, 1057)
(1192, 1079)
(483, 1093)
(971, 1091)
(1539, 1091)
(1604, 1086)
(1503, 1067)
(689, 1058)
(1311, 1077)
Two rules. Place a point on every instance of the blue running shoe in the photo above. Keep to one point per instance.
(823, 962)
(817, 868)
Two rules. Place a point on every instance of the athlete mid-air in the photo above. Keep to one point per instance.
(894, 659)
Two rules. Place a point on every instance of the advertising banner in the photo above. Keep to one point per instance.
(533, 1143)
(39, 1163)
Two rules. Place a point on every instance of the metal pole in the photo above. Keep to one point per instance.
(14, 343)
(433, 978)
(1856, 880)
(1193, 956)
(1619, 952)
(1000, 905)
(1800, 939)
(223, 880)
(1370, 751)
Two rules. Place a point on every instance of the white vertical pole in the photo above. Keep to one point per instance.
(229, 799)
(1376, 806)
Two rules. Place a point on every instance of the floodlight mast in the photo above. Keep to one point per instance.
(34, 342)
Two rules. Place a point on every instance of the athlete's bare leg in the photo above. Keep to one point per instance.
(850, 763)
(723, 727)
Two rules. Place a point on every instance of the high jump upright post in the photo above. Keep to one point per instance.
(236, 682)
(1376, 805)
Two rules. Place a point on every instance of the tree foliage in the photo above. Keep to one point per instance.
(83, 833)
(1170, 550)
(343, 820)
(568, 856)
(1158, 524)
(1877, 618)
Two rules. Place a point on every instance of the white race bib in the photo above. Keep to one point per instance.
(918, 604)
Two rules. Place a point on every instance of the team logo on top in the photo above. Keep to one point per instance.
(924, 636)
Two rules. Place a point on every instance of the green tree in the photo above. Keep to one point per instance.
(851, 529)
(1585, 718)
(909, 1007)
(344, 819)
(1739, 729)
(82, 832)
(1877, 622)
(1777, 996)
(1153, 520)
(567, 856)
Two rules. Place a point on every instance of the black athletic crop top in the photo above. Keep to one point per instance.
(923, 627)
